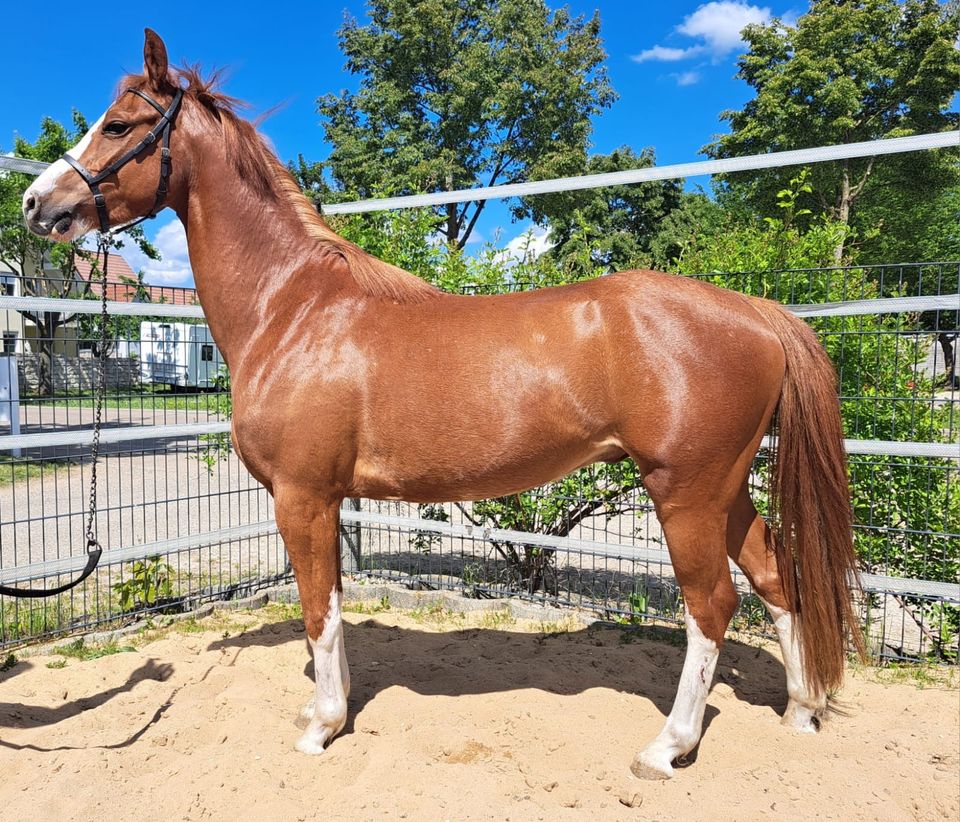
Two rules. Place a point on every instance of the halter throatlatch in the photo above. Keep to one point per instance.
(160, 131)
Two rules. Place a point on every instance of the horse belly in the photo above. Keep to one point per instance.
(465, 423)
(443, 471)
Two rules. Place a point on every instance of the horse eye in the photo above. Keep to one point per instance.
(116, 128)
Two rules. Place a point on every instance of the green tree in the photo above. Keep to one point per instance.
(46, 269)
(757, 246)
(908, 509)
(617, 224)
(458, 93)
(697, 216)
(849, 71)
(912, 214)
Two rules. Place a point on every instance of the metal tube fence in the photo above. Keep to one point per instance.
(753, 162)
(183, 522)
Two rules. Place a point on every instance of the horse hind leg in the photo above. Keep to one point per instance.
(750, 546)
(310, 531)
(695, 537)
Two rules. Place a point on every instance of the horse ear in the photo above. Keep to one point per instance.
(155, 60)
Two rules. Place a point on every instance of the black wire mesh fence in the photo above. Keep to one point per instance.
(184, 523)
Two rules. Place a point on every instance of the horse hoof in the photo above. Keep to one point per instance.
(319, 734)
(312, 743)
(643, 768)
(801, 718)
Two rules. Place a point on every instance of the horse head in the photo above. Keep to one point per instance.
(110, 178)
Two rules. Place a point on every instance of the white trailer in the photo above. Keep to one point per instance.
(179, 354)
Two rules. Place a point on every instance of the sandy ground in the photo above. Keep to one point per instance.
(455, 717)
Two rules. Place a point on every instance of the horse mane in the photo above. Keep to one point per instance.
(259, 167)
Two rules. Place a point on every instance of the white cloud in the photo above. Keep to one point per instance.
(173, 267)
(666, 54)
(717, 25)
(527, 246)
(686, 78)
(720, 24)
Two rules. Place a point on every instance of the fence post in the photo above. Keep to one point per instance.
(10, 396)
(350, 548)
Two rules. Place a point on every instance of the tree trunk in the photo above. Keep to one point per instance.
(45, 365)
(453, 227)
(950, 378)
(351, 550)
(843, 212)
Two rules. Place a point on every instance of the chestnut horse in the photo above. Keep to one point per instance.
(353, 378)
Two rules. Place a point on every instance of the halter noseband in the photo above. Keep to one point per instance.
(160, 130)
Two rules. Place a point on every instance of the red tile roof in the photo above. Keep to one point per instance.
(122, 283)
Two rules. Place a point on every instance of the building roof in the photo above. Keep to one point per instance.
(122, 283)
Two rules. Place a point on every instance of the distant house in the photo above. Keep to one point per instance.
(36, 281)
(11, 322)
(122, 285)
(21, 334)
(54, 349)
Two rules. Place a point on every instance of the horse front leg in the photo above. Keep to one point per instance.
(310, 529)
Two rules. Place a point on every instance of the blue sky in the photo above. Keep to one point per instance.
(672, 64)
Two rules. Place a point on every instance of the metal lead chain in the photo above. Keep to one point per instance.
(103, 245)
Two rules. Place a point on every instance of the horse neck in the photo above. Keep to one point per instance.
(243, 249)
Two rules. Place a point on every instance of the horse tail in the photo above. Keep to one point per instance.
(810, 502)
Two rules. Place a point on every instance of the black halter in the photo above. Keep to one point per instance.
(161, 130)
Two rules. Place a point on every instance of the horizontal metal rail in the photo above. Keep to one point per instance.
(881, 305)
(58, 305)
(84, 436)
(871, 583)
(22, 165)
(847, 308)
(753, 162)
(70, 565)
(894, 448)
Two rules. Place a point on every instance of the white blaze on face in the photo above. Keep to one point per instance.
(332, 682)
(48, 180)
(684, 725)
(44, 184)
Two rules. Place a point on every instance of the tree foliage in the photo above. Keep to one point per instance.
(911, 212)
(849, 71)
(617, 224)
(19, 249)
(790, 240)
(458, 93)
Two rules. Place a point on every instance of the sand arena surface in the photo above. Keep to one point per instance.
(455, 717)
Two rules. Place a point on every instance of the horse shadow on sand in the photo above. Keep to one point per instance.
(23, 715)
(642, 661)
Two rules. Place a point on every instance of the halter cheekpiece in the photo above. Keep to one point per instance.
(162, 131)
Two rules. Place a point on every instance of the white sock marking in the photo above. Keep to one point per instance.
(685, 724)
(332, 682)
(802, 707)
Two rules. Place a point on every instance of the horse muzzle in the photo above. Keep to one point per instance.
(48, 218)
